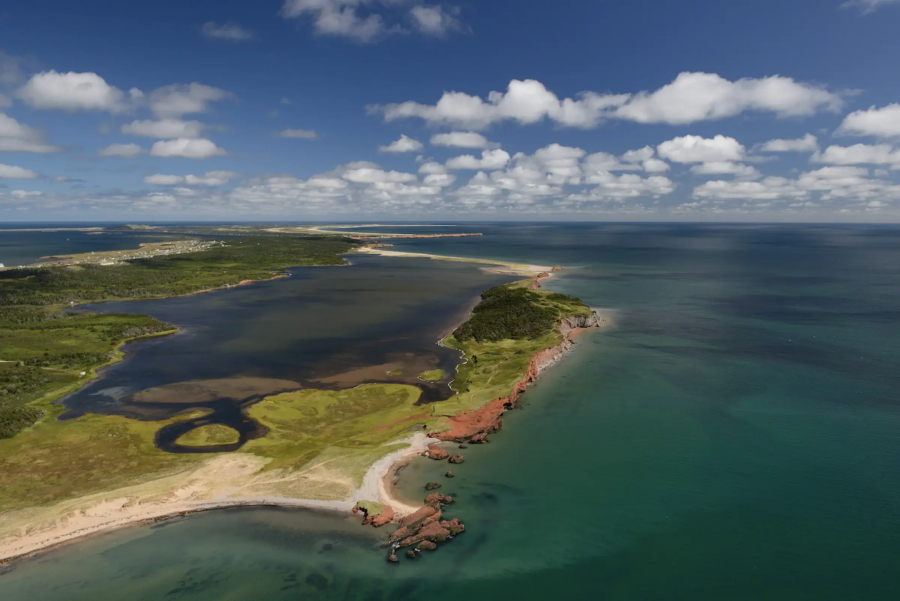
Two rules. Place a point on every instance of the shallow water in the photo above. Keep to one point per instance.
(322, 327)
(733, 437)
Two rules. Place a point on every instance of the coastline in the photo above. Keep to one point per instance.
(115, 510)
(78, 518)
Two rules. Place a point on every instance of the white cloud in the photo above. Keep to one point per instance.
(433, 20)
(163, 180)
(210, 178)
(368, 20)
(16, 137)
(337, 17)
(696, 149)
(20, 194)
(868, 6)
(725, 168)
(226, 31)
(843, 184)
(74, 91)
(404, 144)
(692, 97)
(176, 100)
(655, 166)
(610, 186)
(462, 139)
(126, 151)
(490, 159)
(13, 172)
(189, 149)
(770, 188)
(369, 173)
(882, 123)
(306, 134)
(808, 143)
(859, 154)
(5, 102)
(164, 128)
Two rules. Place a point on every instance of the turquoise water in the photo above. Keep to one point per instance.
(734, 436)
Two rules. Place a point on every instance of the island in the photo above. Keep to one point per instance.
(325, 449)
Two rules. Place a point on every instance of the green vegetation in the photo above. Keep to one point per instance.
(58, 460)
(516, 313)
(498, 348)
(46, 353)
(210, 435)
(304, 423)
(432, 375)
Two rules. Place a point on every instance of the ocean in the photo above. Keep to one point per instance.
(732, 436)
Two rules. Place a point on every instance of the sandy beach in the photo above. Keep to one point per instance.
(226, 481)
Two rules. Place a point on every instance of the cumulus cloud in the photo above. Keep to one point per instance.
(404, 144)
(210, 178)
(462, 139)
(434, 20)
(125, 151)
(16, 137)
(882, 123)
(726, 168)
(808, 143)
(859, 154)
(696, 149)
(306, 134)
(164, 128)
(13, 172)
(226, 31)
(490, 159)
(828, 184)
(692, 97)
(186, 148)
(176, 100)
(368, 20)
(75, 91)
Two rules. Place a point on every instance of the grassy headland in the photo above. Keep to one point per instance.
(320, 443)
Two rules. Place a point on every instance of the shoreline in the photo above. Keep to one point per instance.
(116, 509)
(120, 514)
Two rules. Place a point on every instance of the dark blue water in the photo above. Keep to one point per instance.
(734, 436)
(27, 247)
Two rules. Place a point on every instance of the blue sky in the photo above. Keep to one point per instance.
(415, 110)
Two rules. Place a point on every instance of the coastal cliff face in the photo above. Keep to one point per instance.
(474, 426)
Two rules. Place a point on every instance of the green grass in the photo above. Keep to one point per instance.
(210, 435)
(432, 375)
(304, 423)
(57, 460)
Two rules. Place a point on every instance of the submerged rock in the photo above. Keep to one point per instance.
(456, 459)
(432, 485)
(411, 554)
(464, 446)
(449, 474)
(393, 556)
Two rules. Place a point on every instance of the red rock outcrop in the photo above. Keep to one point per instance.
(437, 453)
(477, 424)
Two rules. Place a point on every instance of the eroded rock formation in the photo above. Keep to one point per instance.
(474, 426)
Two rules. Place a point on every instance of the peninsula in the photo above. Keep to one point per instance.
(328, 449)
